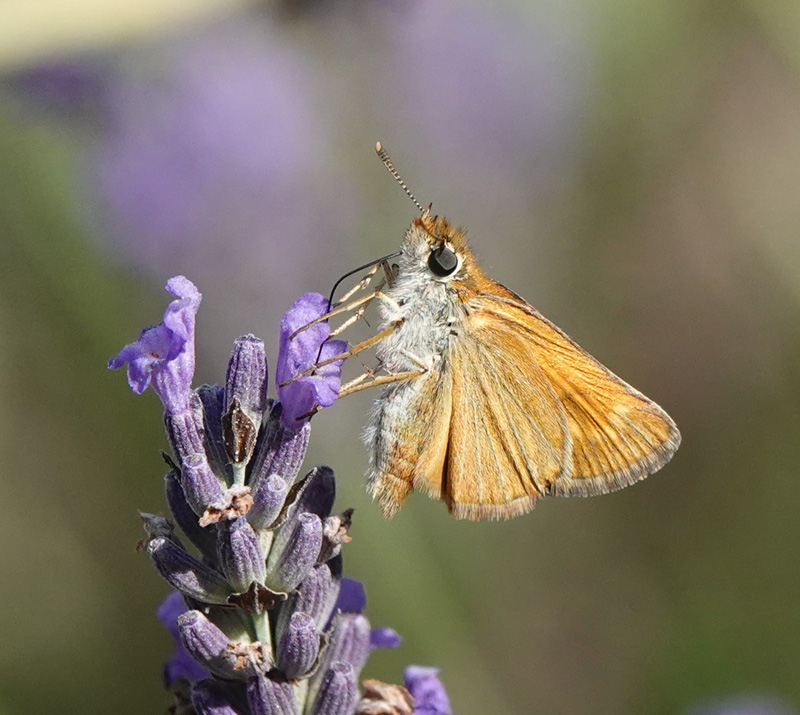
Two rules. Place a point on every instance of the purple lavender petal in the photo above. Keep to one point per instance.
(352, 597)
(430, 697)
(384, 638)
(163, 356)
(299, 353)
(182, 665)
(169, 610)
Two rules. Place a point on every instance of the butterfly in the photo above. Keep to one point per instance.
(488, 405)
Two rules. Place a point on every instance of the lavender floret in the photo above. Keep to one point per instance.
(298, 647)
(338, 692)
(263, 621)
(267, 696)
(163, 356)
(268, 501)
(298, 352)
(294, 552)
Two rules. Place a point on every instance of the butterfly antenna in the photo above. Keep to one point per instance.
(387, 162)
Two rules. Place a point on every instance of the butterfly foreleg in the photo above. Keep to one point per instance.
(363, 283)
(360, 383)
(355, 350)
(365, 299)
(357, 315)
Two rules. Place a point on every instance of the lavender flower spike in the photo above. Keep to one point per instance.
(263, 620)
(298, 353)
(163, 356)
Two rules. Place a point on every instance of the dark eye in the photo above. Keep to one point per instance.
(442, 261)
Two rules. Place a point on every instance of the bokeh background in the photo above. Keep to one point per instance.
(633, 169)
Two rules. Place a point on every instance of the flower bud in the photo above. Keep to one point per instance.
(268, 501)
(185, 429)
(184, 516)
(298, 647)
(280, 450)
(271, 697)
(350, 641)
(317, 493)
(200, 484)
(245, 398)
(294, 552)
(207, 644)
(315, 596)
(212, 397)
(185, 573)
(337, 693)
(239, 554)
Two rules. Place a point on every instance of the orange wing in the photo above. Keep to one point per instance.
(508, 440)
(618, 436)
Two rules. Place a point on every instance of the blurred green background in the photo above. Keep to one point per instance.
(632, 169)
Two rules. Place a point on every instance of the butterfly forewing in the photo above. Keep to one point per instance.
(508, 432)
(618, 436)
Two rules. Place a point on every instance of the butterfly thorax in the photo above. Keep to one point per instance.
(431, 309)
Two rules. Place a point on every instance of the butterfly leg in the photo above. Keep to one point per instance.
(337, 311)
(355, 350)
(358, 383)
(363, 283)
(357, 315)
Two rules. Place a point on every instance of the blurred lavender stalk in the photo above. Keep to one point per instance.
(263, 620)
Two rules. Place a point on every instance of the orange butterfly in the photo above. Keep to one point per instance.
(489, 406)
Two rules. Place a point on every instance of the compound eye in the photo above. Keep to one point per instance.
(442, 261)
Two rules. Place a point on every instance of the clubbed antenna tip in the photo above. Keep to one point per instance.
(387, 162)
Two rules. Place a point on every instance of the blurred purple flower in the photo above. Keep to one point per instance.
(299, 353)
(502, 89)
(430, 697)
(213, 157)
(163, 356)
(63, 84)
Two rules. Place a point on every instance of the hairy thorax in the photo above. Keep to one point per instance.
(429, 314)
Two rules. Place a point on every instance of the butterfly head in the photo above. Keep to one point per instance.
(436, 251)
